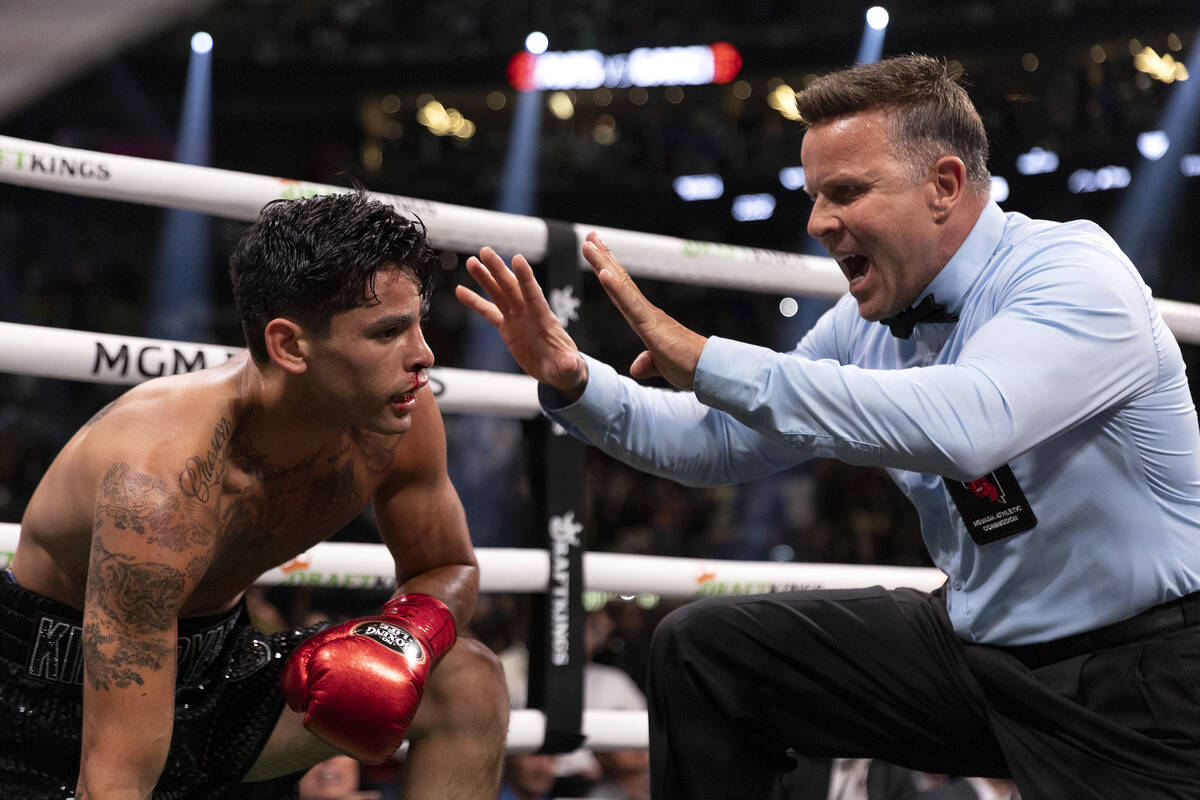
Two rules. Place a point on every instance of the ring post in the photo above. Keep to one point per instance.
(556, 652)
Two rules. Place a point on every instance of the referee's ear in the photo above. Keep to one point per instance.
(949, 182)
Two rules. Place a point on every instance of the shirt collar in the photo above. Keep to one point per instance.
(951, 285)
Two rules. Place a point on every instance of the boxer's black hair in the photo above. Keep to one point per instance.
(308, 259)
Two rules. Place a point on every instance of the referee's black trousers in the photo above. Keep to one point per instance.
(869, 673)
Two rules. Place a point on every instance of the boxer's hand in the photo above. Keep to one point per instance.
(529, 328)
(672, 351)
(360, 682)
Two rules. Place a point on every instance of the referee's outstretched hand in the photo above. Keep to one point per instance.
(672, 351)
(529, 328)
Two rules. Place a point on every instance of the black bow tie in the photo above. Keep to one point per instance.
(901, 324)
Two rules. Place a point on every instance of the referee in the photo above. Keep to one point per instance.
(1025, 394)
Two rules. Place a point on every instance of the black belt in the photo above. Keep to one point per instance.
(1171, 616)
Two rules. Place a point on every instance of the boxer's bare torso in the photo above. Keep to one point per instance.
(157, 459)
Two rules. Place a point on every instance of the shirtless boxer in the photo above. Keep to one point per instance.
(127, 662)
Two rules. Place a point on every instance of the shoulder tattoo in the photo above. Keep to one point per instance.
(143, 504)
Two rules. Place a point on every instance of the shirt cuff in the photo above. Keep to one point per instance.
(727, 374)
(587, 416)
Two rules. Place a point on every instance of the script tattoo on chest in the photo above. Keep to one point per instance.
(200, 475)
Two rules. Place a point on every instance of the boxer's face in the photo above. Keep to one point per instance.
(868, 213)
(370, 369)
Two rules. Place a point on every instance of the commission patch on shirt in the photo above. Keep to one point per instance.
(992, 507)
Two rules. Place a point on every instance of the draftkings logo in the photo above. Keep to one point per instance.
(709, 584)
(294, 190)
(299, 572)
(42, 164)
(564, 538)
(302, 561)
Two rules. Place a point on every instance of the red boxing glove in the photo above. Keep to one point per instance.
(360, 682)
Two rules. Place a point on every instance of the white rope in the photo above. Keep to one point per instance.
(355, 565)
(105, 358)
(240, 195)
(605, 730)
(511, 570)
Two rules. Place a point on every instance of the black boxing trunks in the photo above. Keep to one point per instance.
(227, 699)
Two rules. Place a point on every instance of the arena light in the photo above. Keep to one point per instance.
(1154, 202)
(1153, 145)
(877, 17)
(719, 62)
(699, 187)
(442, 121)
(1037, 161)
(560, 105)
(536, 42)
(753, 207)
(870, 46)
(1189, 165)
(1162, 68)
(792, 178)
(999, 189)
(202, 43)
(783, 99)
(1083, 181)
(181, 298)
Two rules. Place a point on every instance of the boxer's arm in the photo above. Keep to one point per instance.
(358, 683)
(421, 518)
(151, 542)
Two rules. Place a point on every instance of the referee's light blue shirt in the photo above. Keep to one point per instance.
(1060, 366)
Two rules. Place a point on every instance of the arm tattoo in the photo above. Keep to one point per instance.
(139, 594)
(123, 635)
(200, 475)
(117, 647)
(120, 669)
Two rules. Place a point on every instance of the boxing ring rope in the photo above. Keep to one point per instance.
(104, 358)
(517, 570)
(520, 570)
(240, 195)
(96, 357)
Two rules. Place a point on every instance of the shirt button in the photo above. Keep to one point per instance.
(957, 585)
